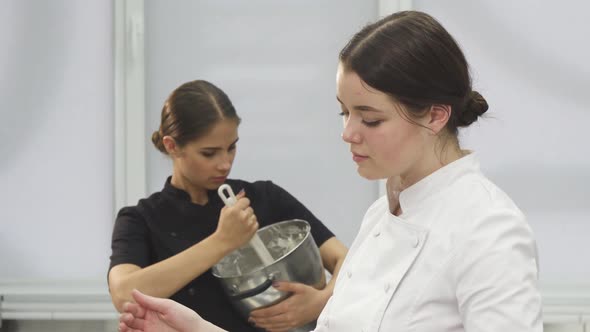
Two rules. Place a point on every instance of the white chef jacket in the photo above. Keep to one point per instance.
(460, 257)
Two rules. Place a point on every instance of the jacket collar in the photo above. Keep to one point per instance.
(413, 198)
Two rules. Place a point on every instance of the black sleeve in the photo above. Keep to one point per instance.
(130, 241)
(286, 207)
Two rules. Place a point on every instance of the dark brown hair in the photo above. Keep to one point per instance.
(411, 57)
(190, 112)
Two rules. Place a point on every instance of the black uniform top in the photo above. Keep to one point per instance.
(167, 223)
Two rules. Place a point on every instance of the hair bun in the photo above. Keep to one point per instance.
(157, 140)
(475, 106)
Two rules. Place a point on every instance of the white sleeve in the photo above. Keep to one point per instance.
(496, 276)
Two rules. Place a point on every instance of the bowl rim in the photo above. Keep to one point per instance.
(307, 234)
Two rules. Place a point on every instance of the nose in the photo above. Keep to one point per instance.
(225, 166)
(350, 132)
(226, 162)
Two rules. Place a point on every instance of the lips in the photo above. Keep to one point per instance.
(219, 179)
(359, 157)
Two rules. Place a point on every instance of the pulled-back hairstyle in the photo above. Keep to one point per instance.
(411, 57)
(191, 111)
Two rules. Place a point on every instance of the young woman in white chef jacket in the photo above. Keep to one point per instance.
(446, 250)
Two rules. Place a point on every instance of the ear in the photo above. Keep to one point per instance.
(439, 116)
(170, 145)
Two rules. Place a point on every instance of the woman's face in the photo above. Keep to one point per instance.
(382, 142)
(206, 162)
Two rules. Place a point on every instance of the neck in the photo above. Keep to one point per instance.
(198, 195)
(430, 163)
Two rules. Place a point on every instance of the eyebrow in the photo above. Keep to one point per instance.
(361, 107)
(212, 148)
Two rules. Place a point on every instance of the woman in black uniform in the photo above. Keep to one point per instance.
(167, 243)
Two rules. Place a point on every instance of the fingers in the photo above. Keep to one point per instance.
(135, 309)
(284, 306)
(127, 322)
(242, 203)
(281, 322)
(124, 328)
(247, 212)
(291, 312)
(272, 311)
(290, 287)
(242, 206)
(252, 222)
(279, 317)
(150, 302)
(250, 218)
(237, 223)
(244, 210)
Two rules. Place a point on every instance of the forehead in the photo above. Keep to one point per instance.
(351, 89)
(223, 132)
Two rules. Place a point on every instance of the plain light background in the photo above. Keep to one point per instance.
(277, 63)
(56, 139)
(530, 61)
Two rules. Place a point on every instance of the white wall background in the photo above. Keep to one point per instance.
(530, 60)
(56, 139)
(277, 62)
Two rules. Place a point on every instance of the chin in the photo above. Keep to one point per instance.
(213, 186)
(369, 175)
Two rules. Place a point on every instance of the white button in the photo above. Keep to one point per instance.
(387, 286)
(349, 274)
(416, 241)
(377, 234)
